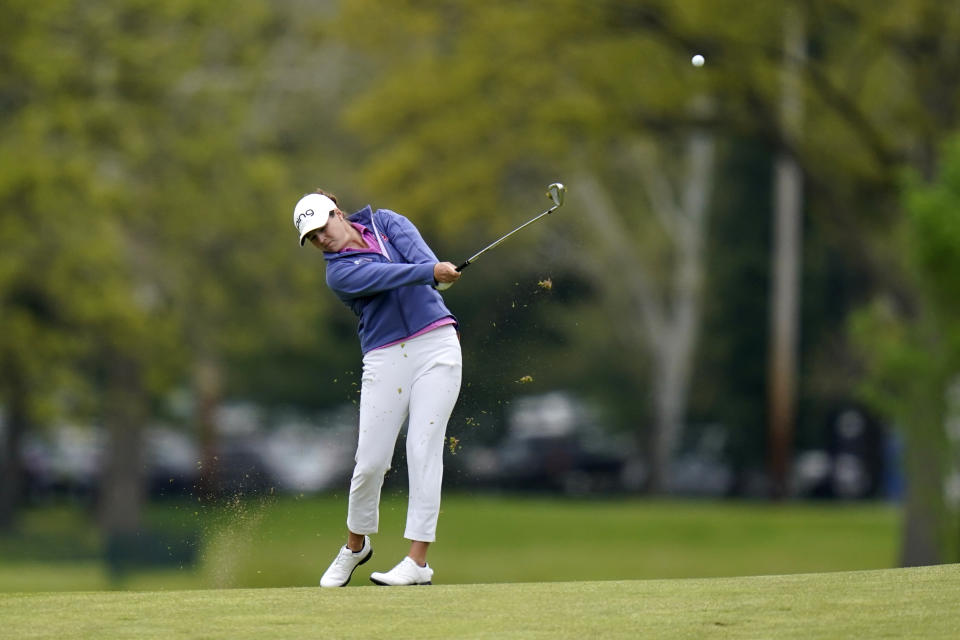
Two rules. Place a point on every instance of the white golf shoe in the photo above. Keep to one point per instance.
(339, 572)
(407, 572)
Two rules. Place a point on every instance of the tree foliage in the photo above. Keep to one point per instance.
(911, 350)
(142, 229)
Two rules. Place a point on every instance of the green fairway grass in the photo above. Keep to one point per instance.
(893, 603)
(289, 541)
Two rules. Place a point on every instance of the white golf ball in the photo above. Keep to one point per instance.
(697, 60)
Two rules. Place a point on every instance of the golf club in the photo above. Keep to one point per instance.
(555, 192)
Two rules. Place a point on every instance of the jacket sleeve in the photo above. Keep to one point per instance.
(407, 239)
(360, 276)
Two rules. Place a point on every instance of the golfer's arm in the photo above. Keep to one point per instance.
(355, 281)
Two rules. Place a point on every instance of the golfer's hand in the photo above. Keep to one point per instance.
(445, 273)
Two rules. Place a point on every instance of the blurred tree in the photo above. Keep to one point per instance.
(911, 351)
(213, 189)
(143, 192)
(263, 317)
(81, 302)
(208, 185)
(888, 84)
(62, 286)
(668, 310)
(253, 127)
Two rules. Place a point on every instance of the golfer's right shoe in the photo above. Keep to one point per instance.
(339, 572)
(408, 572)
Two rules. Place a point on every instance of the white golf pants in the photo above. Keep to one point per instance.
(417, 379)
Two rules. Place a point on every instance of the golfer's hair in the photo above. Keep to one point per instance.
(329, 195)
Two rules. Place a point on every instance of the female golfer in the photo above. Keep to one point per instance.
(380, 267)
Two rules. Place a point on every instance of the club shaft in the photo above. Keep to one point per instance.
(470, 260)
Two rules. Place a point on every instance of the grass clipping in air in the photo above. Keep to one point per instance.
(917, 602)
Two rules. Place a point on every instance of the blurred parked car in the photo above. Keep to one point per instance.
(254, 455)
(859, 460)
(171, 457)
(559, 463)
(701, 467)
(62, 461)
(551, 445)
(302, 457)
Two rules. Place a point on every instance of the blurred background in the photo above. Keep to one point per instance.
(735, 349)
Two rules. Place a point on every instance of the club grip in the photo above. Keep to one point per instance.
(443, 286)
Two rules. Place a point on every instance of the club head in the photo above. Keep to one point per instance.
(556, 192)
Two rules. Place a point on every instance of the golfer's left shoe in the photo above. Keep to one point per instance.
(341, 569)
(407, 572)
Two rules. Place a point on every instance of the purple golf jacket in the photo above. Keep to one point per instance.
(391, 291)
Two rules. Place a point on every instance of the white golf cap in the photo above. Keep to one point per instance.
(312, 212)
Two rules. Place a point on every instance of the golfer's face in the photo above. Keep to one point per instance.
(331, 237)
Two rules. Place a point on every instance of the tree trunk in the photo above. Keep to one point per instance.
(207, 391)
(11, 470)
(923, 511)
(919, 544)
(679, 331)
(787, 242)
(926, 459)
(122, 489)
(670, 386)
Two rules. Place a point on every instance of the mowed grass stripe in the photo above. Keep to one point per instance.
(288, 542)
(515, 539)
(915, 603)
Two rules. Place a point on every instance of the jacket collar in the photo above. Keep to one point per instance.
(363, 216)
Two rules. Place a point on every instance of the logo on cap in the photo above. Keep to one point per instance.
(300, 218)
